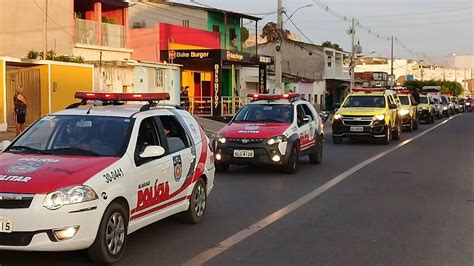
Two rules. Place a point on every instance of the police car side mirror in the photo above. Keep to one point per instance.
(152, 151)
(4, 145)
(393, 106)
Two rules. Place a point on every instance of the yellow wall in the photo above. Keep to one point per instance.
(187, 79)
(65, 81)
(44, 92)
(178, 46)
(2, 91)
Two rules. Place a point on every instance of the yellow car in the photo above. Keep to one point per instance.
(368, 113)
(408, 111)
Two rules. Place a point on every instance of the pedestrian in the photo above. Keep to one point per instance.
(20, 104)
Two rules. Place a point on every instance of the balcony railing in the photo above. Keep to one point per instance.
(203, 105)
(87, 32)
(113, 35)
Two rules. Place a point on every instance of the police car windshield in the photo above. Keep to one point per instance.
(76, 135)
(444, 100)
(404, 99)
(276, 113)
(423, 99)
(365, 101)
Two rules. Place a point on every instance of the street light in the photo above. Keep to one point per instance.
(293, 13)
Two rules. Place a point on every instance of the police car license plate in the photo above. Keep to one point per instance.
(357, 129)
(5, 225)
(243, 153)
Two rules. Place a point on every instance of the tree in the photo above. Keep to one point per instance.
(334, 46)
(244, 34)
(451, 87)
(270, 31)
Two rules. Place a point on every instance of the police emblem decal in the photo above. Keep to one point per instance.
(25, 167)
(178, 167)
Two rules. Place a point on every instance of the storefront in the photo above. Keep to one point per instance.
(211, 77)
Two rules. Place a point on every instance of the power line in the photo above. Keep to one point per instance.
(419, 13)
(60, 27)
(297, 28)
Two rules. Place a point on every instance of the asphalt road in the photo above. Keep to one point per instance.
(412, 206)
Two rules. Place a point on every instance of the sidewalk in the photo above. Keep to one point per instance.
(7, 136)
(211, 128)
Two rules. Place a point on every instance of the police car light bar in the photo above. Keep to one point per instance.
(368, 89)
(404, 91)
(289, 96)
(104, 96)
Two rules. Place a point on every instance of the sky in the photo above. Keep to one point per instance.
(424, 29)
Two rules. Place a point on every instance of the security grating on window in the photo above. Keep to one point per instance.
(160, 78)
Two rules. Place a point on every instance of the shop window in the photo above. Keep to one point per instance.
(186, 23)
(215, 28)
(315, 98)
(329, 61)
(160, 78)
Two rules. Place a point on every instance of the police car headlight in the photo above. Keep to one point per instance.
(337, 117)
(221, 140)
(468, 103)
(445, 108)
(379, 117)
(402, 112)
(277, 139)
(69, 195)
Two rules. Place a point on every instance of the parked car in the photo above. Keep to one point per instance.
(90, 175)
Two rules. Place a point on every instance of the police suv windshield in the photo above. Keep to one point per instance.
(404, 99)
(365, 101)
(76, 135)
(276, 113)
(423, 99)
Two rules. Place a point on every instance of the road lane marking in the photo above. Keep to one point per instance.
(233, 240)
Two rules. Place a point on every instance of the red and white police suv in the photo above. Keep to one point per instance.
(87, 176)
(272, 129)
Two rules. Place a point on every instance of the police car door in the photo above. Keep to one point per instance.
(392, 112)
(182, 152)
(304, 121)
(151, 174)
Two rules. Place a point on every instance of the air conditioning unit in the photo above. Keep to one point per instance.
(139, 25)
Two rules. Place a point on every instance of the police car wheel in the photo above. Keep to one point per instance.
(291, 165)
(317, 155)
(336, 140)
(397, 132)
(222, 167)
(111, 239)
(388, 137)
(411, 126)
(197, 204)
(416, 123)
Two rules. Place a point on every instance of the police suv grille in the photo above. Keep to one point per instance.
(15, 201)
(16, 238)
(357, 120)
(245, 141)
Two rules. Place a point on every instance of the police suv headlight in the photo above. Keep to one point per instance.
(69, 195)
(337, 117)
(445, 108)
(468, 103)
(379, 117)
(403, 112)
(277, 139)
(221, 140)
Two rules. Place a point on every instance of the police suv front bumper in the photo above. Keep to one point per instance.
(352, 129)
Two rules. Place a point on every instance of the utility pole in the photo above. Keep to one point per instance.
(278, 71)
(352, 63)
(45, 31)
(391, 67)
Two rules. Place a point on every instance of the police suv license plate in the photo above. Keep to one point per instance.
(244, 153)
(357, 129)
(6, 225)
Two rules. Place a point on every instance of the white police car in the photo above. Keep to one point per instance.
(87, 176)
(274, 129)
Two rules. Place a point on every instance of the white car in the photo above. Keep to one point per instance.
(273, 129)
(87, 176)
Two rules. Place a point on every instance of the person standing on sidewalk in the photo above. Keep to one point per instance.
(19, 101)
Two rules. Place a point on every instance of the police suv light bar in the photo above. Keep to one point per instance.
(138, 97)
(403, 91)
(368, 89)
(256, 96)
